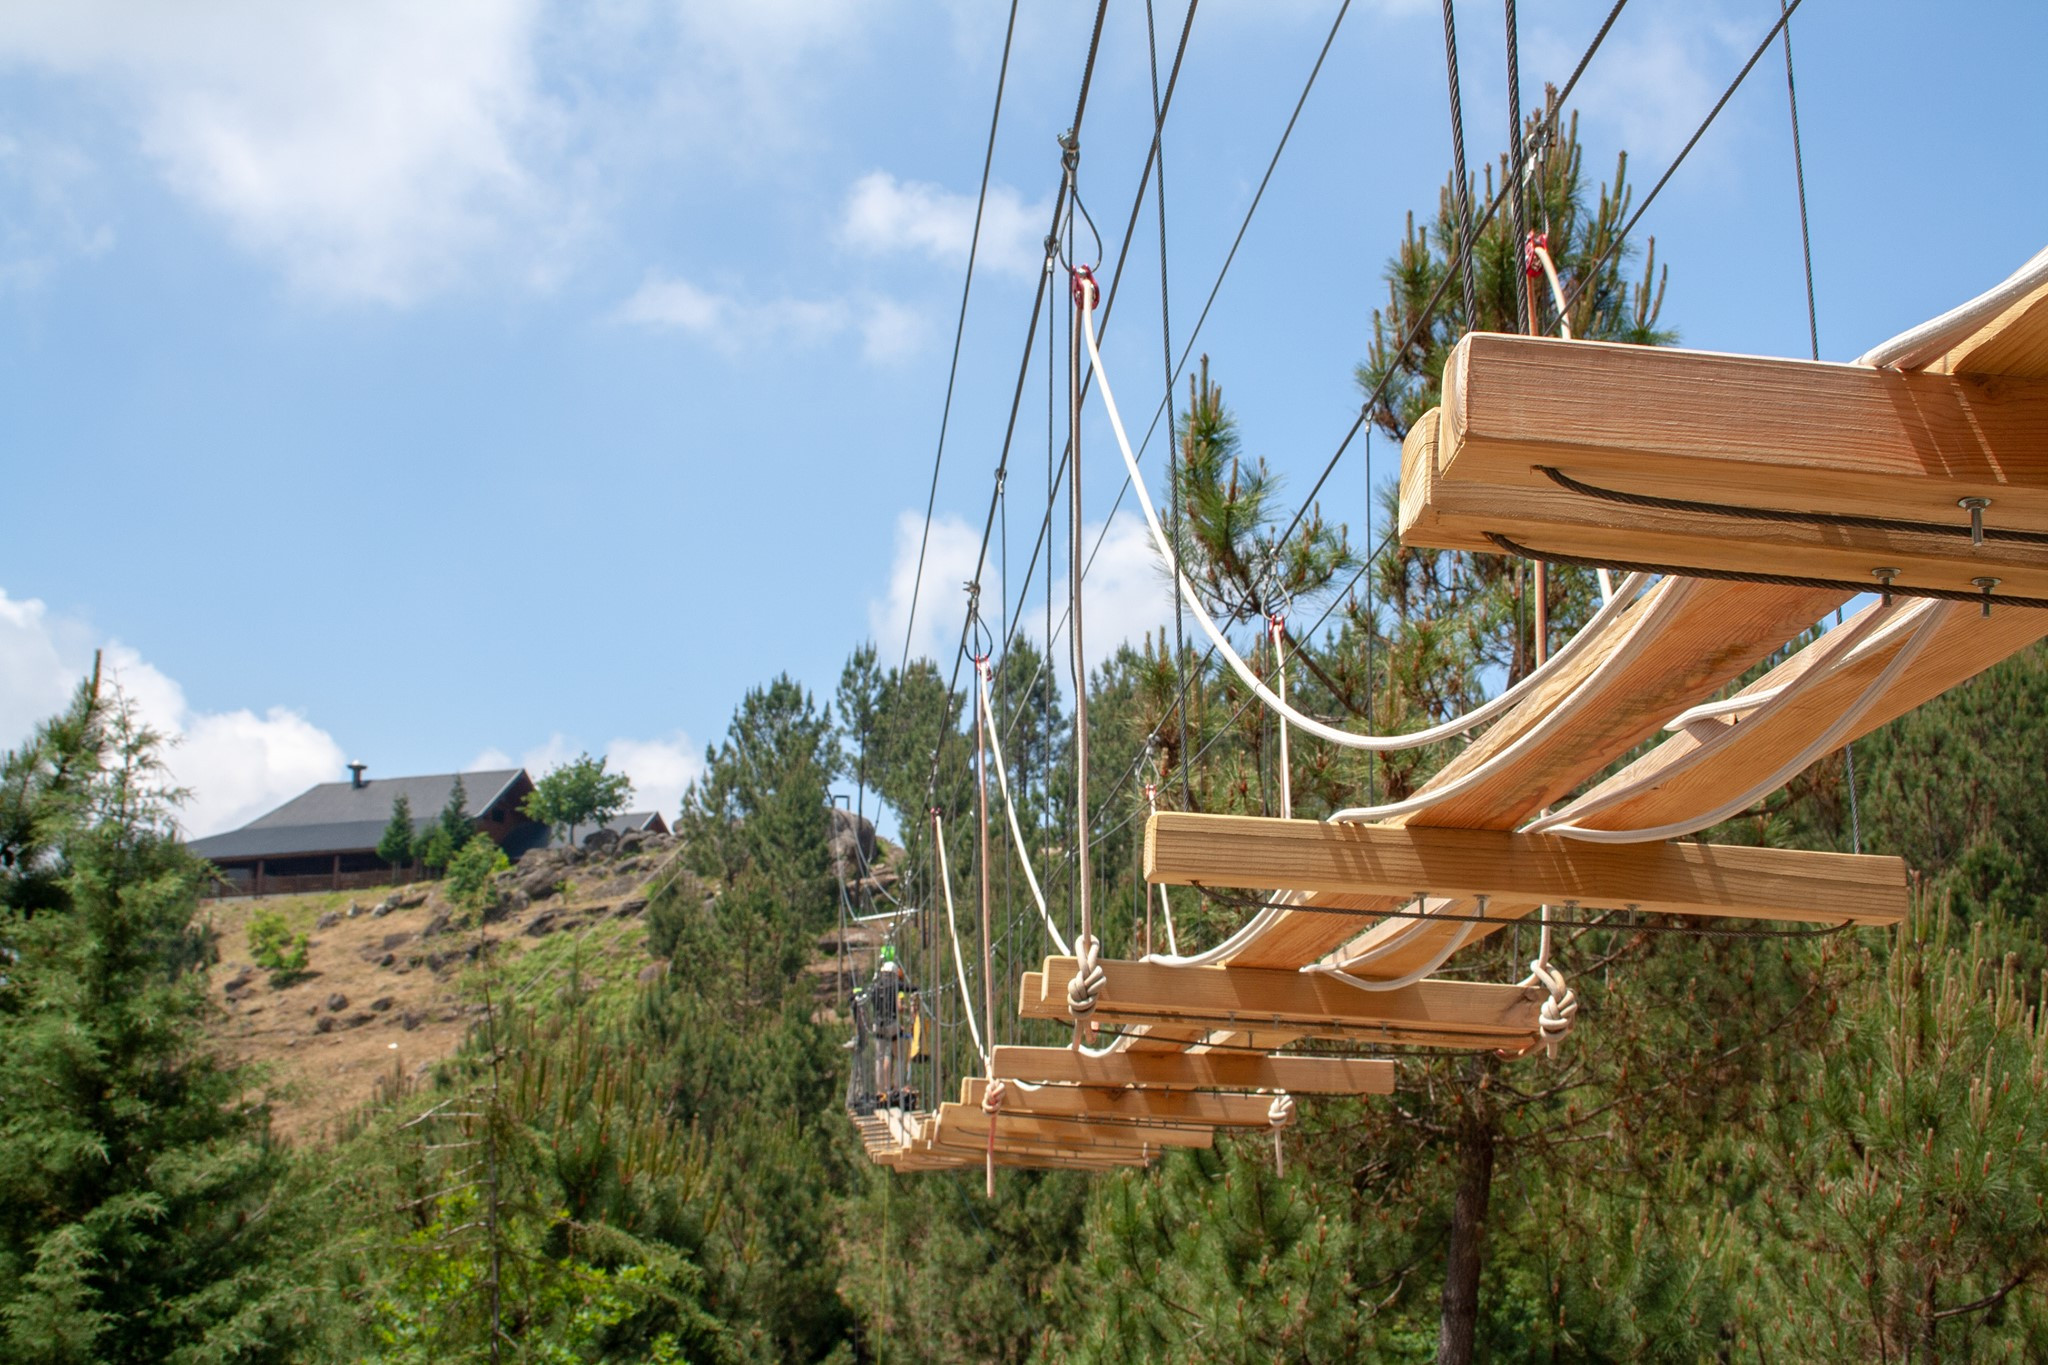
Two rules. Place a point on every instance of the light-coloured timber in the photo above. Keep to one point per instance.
(1127, 1105)
(1436, 1013)
(1198, 1071)
(959, 1134)
(1183, 848)
(1751, 430)
(2013, 343)
(1016, 1127)
(1461, 514)
(1965, 645)
(1719, 630)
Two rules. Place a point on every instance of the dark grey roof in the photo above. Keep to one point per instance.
(337, 802)
(288, 840)
(341, 817)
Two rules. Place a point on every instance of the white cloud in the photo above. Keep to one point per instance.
(888, 331)
(660, 767)
(238, 764)
(1650, 86)
(949, 561)
(1124, 591)
(884, 214)
(46, 217)
(373, 150)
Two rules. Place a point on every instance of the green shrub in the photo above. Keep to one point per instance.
(470, 871)
(276, 948)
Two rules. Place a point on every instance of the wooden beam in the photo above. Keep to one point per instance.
(1132, 1106)
(1756, 431)
(1963, 646)
(1451, 514)
(1184, 848)
(1437, 1013)
(1716, 631)
(1197, 1071)
(1022, 1127)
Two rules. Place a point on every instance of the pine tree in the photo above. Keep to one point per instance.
(394, 846)
(143, 1214)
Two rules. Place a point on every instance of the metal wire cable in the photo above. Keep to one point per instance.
(1592, 272)
(1463, 194)
(960, 326)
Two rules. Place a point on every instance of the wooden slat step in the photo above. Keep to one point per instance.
(1197, 1071)
(1385, 860)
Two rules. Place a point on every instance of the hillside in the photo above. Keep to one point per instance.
(384, 992)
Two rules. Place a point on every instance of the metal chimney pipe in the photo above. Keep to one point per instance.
(355, 774)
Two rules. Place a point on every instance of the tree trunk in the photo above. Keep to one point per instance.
(1460, 1321)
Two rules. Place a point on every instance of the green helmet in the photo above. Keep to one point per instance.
(888, 955)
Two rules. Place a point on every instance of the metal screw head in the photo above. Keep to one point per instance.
(1987, 584)
(1973, 504)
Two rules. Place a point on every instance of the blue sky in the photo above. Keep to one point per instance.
(441, 385)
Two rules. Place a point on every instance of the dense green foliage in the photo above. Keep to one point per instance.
(579, 792)
(469, 882)
(395, 845)
(275, 948)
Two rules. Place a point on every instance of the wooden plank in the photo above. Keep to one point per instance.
(1964, 645)
(1758, 431)
(1197, 1071)
(2013, 343)
(1021, 1127)
(1462, 515)
(1185, 848)
(1441, 1013)
(960, 1135)
(1133, 1106)
(1718, 631)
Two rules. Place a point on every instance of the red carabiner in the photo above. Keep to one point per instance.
(1084, 276)
(1532, 265)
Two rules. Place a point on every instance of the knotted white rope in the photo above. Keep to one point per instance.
(1280, 1115)
(991, 1104)
(1085, 989)
(1561, 1008)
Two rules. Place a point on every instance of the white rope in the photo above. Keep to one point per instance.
(1745, 702)
(1165, 904)
(1345, 738)
(1280, 677)
(1933, 615)
(1086, 986)
(1564, 324)
(1916, 346)
(1407, 979)
(1671, 596)
(1839, 649)
(1010, 809)
(1279, 1116)
(959, 967)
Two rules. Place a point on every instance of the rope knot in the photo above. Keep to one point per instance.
(992, 1097)
(1089, 978)
(1560, 1011)
(1280, 1115)
(1532, 264)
